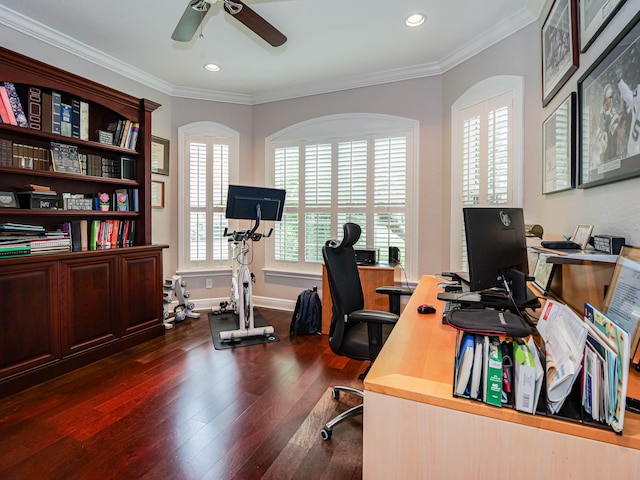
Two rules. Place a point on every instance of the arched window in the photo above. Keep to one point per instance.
(208, 153)
(486, 153)
(353, 167)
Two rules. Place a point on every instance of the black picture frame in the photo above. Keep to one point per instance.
(560, 53)
(595, 15)
(559, 148)
(159, 156)
(609, 129)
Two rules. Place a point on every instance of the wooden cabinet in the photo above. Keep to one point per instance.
(371, 277)
(65, 309)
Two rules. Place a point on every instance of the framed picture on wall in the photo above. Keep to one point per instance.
(159, 156)
(560, 55)
(594, 16)
(558, 148)
(157, 194)
(609, 125)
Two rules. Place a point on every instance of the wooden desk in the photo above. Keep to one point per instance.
(415, 428)
(371, 277)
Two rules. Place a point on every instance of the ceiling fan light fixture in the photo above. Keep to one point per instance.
(415, 20)
(212, 67)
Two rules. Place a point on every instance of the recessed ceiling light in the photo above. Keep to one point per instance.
(415, 20)
(212, 67)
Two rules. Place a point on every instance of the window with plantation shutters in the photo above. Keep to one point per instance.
(206, 177)
(486, 154)
(362, 179)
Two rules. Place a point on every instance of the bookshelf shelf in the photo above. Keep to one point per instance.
(68, 309)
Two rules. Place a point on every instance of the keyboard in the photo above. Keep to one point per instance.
(448, 308)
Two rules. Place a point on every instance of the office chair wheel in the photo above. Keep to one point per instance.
(325, 434)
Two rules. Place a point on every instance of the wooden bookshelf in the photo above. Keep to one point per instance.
(63, 310)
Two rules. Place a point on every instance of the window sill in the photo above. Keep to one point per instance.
(295, 274)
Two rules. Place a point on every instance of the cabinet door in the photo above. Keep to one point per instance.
(140, 291)
(89, 293)
(29, 329)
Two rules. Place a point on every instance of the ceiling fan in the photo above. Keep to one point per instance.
(197, 10)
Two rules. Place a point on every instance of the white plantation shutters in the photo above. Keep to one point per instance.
(361, 180)
(486, 162)
(207, 169)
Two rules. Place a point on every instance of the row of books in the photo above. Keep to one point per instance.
(105, 234)
(123, 134)
(24, 239)
(54, 112)
(65, 158)
(76, 236)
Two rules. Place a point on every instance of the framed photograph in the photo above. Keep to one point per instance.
(159, 156)
(594, 16)
(8, 200)
(559, 148)
(560, 55)
(582, 235)
(157, 194)
(609, 125)
(543, 273)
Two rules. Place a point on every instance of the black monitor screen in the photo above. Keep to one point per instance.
(243, 202)
(496, 245)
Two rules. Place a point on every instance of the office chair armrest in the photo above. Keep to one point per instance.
(373, 316)
(394, 296)
(391, 290)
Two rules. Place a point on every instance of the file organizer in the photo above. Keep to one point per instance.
(572, 409)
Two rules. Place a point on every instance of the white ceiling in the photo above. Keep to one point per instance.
(332, 44)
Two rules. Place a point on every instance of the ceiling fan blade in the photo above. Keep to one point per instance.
(189, 23)
(256, 23)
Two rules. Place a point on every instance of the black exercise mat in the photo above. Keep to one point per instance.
(229, 321)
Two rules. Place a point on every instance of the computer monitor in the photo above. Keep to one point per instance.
(254, 203)
(497, 249)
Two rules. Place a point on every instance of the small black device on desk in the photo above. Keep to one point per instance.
(560, 245)
(424, 308)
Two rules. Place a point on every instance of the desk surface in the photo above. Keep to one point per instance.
(416, 363)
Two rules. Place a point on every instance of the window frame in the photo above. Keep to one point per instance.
(483, 92)
(232, 138)
(349, 127)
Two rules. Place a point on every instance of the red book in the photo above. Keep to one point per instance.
(8, 110)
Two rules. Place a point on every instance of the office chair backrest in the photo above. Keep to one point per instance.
(344, 282)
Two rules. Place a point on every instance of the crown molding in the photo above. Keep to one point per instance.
(45, 34)
(503, 29)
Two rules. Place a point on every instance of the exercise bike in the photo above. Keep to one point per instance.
(251, 203)
(241, 300)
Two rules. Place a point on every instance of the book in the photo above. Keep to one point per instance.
(75, 118)
(492, 370)
(133, 140)
(65, 158)
(8, 110)
(4, 115)
(46, 117)
(34, 108)
(65, 119)
(465, 363)
(619, 339)
(84, 120)
(14, 100)
(476, 373)
(56, 102)
(14, 250)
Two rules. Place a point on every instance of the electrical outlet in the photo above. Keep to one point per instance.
(208, 283)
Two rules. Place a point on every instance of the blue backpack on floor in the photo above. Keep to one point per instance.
(307, 316)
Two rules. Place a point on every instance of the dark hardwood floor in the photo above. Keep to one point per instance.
(176, 408)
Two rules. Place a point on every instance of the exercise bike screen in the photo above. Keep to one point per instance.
(242, 203)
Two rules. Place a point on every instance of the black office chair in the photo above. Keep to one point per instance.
(354, 332)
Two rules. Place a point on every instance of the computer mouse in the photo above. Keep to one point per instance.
(424, 308)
